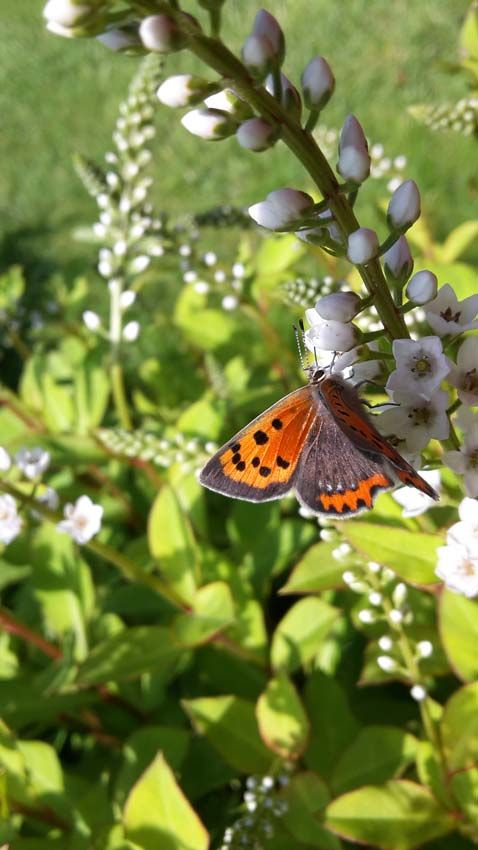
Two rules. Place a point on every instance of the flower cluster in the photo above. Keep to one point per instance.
(189, 452)
(461, 117)
(263, 806)
(458, 560)
(382, 166)
(208, 276)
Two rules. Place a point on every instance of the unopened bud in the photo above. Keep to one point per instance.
(183, 90)
(266, 25)
(281, 209)
(161, 34)
(318, 83)
(422, 288)
(121, 39)
(362, 246)
(338, 306)
(398, 262)
(354, 158)
(209, 124)
(256, 134)
(258, 55)
(404, 207)
(332, 336)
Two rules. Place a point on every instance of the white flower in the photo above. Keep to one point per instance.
(465, 461)
(421, 366)
(362, 246)
(398, 261)
(425, 648)
(182, 90)
(32, 462)
(375, 598)
(464, 376)
(422, 287)
(386, 663)
(332, 336)
(395, 616)
(92, 320)
(281, 209)
(82, 520)
(5, 460)
(338, 306)
(366, 616)
(160, 34)
(66, 13)
(256, 134)
(227, 101)
(385, 643)
(354, 158)
(446, 315)
(417, 420)
(229, 302)
(209, 124)
(404, 207)
(127, 299)
(458, 568)
(131, 331)
(10, 522)
(139, 264)
(418, 693)
(413, 501)
(318, 83)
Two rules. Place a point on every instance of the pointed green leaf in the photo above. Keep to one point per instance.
(171, 542)
(458, 620)
(378, 753)
(412, 556)
(230, 725)
(459, 728)
(400, 815)
(333, 725)
(130, 653)
(465, 789)
(306, 796)
(317, 570)
(213, 611)
(300, 633)
(139, 749)
(282, 721)
(158, 815)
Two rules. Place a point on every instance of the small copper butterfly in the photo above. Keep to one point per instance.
(319, 441)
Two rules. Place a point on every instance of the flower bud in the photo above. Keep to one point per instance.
(332, 336)
(210, 124)
(227, 101)
(256, 134)
(281, 209)
(161, 34)
(318, 83)
(398, 262)
(290, 97)
(362, 246)
(183, 90)
(120, 39)
(266, 26)
(258, 55)
(404, 207)
(66, 13)
(92, 320)
(354, 158)
(131, 331)
(338, 306)
(422, 288)
(386, 663)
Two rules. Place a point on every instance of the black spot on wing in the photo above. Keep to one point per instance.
(235, 447)
(255, 461)
(261, 438)
(277, 424)
(284, 464)
(241, 466)
(236, 458)
(265, 471)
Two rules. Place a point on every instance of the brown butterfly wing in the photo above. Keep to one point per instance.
(260, 462)
(344, 404)
(335, 477)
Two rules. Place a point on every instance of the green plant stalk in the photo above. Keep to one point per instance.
(215, 54)
(129, 569)
(116, 370)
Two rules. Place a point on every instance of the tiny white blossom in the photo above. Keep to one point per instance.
(65, 13)
(465, 531)
(182, 90)
(119, 39)
(404, 207)
(318, 83)
(464, 376)
(395, 616)
(446, 315)
(32, 462)
(131, 331)
(281, 209)
(458, 568)
(465, 461)
(421, 366)
(220, 276)
(422, 287)
(332, 336)
(229, 302)
(374, 567)
(418, 693)
(10, 521)
(201, 287)
(209, 258)
(256, 134)
(413, 501)
(342, 551)
(127, 298)
(139, 264)
(160, 34)
(425, 648)
(354, 158)
(82, 519)
(239, 270)
(417, 420)
(366, 616)
(375, 598)
(5, 460)
(362, 246)
(338, 306)
(209, 124)
(91, 320)
(386, 663)
(385, 643)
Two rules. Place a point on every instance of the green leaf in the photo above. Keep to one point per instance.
(277, 253)
(306, 797)
(469, 34)
(300, 633)
(400, 815)
(458, 618)
(129, 654)
(139, 749)
(283, 723)
(171, 542)
(458, 240)
(205, 328)
(157, 814)
(430, 772)
(378, 753)
(213, 611)
(230, 725)
(333, 725)
(412, 556)
(465, 790)
(12, 286)
(317, 570)
(91, 393)
(459, 728)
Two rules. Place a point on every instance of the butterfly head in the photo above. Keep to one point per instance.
(316, 374)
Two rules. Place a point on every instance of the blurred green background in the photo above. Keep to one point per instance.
(61, 96)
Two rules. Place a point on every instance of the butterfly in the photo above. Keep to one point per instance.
(319, 441)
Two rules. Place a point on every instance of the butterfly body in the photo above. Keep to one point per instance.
(319, 441)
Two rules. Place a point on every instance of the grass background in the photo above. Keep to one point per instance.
(61, 96)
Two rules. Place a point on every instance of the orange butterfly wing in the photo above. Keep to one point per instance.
(259, 463)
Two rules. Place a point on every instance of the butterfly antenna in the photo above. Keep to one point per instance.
(299, 338)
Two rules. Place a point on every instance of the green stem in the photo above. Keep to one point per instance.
(215, 54)
(116, 371)
(311, 120)
(119, 395)
(129, 569)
